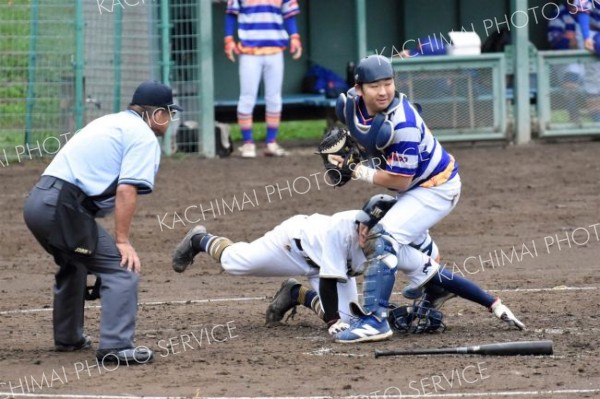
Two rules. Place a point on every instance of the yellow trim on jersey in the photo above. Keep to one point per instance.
(441, 177)
(260, 50)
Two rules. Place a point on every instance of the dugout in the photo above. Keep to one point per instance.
(361, 27)
(331, 32)
(107, 47)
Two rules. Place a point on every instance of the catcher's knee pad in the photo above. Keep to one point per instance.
(216, 247)
(380, 273)
(378, 284)
(417, 318)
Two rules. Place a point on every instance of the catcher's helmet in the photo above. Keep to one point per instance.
(373, 68)
(417, 319)
(375, 209)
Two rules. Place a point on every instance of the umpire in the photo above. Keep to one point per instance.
(102, 168)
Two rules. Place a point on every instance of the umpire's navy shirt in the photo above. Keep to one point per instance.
(114, 149)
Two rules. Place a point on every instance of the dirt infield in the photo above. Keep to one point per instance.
(526, 227)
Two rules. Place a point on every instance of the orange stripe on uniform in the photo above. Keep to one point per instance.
(252, 3)
(259, 50)
(245, 121)
(273, 119)
(441, 177)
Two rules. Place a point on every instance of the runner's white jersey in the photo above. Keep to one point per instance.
(332, 243)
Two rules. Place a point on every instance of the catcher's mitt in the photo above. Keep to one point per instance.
(337, 141)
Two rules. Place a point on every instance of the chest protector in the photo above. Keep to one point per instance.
(374, 137)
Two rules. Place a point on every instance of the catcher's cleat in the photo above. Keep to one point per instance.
(438, 302)
(281, 303)
(184, 253)
(125, 356)
(502, 312)
(367, 328)
(85, 343)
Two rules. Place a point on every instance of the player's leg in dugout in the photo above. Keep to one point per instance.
(273, 78)
(250, 68)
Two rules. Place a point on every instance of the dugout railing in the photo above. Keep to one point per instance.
(462, 98)
(568, 93)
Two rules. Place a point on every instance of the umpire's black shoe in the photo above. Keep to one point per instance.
(184, 253)
(85, 343)
(125, 356)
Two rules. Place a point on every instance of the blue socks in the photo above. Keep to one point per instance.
(462, 287)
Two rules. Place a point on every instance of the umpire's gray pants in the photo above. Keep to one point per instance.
(118, 292)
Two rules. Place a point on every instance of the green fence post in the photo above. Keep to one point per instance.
(165, 64)
(205, 71)
(361, 28)
(521, 83)
(79, 64)
(117, 58)
(31, 71)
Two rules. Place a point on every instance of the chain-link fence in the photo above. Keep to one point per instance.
(461, 98)
(65, 63)
(37, 45)
(569, 93)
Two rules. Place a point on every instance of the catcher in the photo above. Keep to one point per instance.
(402, 155)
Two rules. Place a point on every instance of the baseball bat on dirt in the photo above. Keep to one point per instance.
(522, 348)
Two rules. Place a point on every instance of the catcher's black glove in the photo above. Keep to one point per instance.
(337, 141)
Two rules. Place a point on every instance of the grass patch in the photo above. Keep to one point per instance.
(288, 130)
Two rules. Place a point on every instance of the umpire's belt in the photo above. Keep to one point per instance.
(59, 184)
(308, 260)
(75, 230)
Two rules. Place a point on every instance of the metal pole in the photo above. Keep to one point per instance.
(117, 57)
(520, 41)
(205, 72)
(361, 28)
(79, 64)
(31, 71)
(165, 63)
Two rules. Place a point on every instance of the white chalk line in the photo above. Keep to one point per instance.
(262, 298)
(331, 352)
(4, 395)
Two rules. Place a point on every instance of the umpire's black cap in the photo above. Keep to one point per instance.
(155, 94)
(373, 68)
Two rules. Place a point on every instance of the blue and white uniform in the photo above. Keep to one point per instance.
(561, 26)
(112, 150)
(412, 151)
(261, 28)
(433, 192)
(264, 28)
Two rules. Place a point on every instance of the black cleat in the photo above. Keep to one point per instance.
(184, 253)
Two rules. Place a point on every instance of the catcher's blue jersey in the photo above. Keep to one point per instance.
(413, 151)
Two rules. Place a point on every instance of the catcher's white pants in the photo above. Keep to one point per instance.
(409, 221)
(253, 68)
(276, 254)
